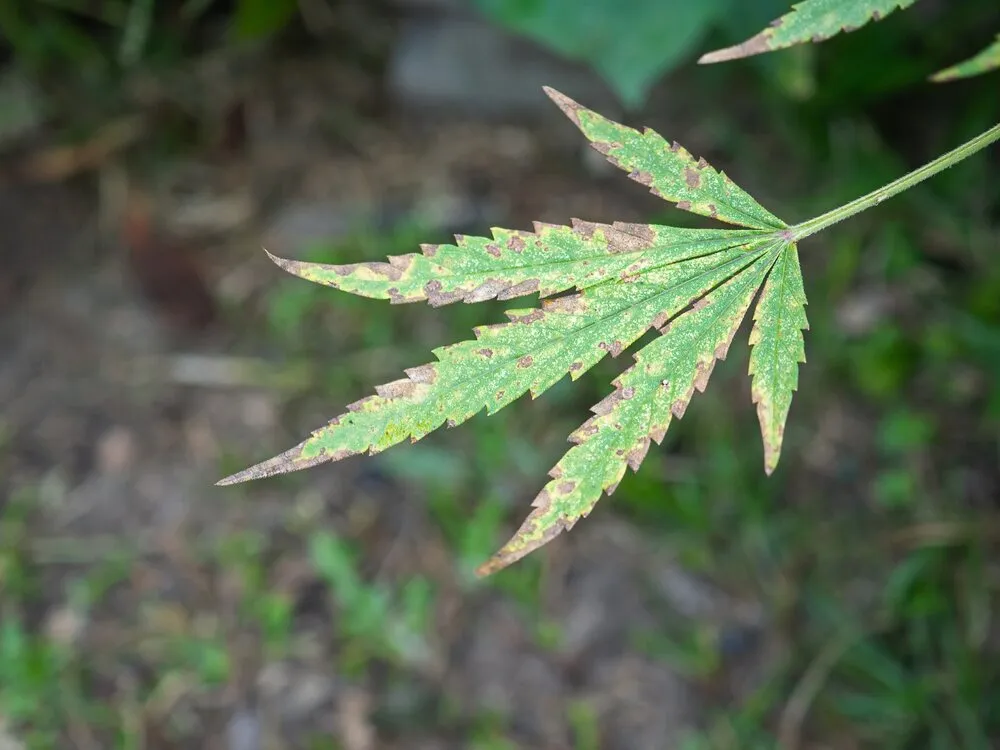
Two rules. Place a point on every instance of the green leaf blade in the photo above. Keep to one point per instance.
(511, 264)
(809, 21)
(630, 47)
(668, 170)
(529, 353)
(984, 62)
(777, 349)
(647, 396)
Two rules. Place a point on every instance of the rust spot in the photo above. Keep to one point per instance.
(628, 393)
(516, 244)
(451, 423)
(429, 250)
(620, 452)
(684, 205)
(488, 353)
(564, 488)
(499, 395)
(601, 147)
(692, 178)
(493, 249)
(525, 361)
(712, 210)
(660, 320)
(702, 163)
(658, 433)
(675, 147)
(576, 366)
(701, 304)
(343, 270)
(704, 372)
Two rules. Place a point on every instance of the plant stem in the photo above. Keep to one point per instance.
(818, 224)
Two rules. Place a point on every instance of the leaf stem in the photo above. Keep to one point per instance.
(818, 224)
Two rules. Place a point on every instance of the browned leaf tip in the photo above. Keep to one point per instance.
(753, 46)
(284, 463)
(567, 105)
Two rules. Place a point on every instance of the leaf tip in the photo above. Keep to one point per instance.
(569, 107)
(284, 463)
(752, 46)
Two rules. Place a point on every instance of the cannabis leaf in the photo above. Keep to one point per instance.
(988, 59)
(630, 43)
(809, 21)
(602, 287)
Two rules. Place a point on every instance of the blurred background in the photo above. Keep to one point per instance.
(148, 348)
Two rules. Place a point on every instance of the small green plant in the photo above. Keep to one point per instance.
(603, 287)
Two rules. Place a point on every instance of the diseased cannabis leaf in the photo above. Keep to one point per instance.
(809, 21)
(987, 60)
(693, 285)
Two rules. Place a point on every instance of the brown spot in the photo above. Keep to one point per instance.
(701, 304)
(564, 488)
(499, 395)
(643, 178)
(488, 353)
(614, 348)
(543, 227)
(628, 393)
(528, 286)
(660, 320)
(451, 423)
(752, 46)
(585, 228)
(493, 249)
(343, 270)
(628, 238)
(573, 303)
(713, 211)
(429, 250)
(525, 361)
(658, 433)
(637, 454)
(532, 317)
(704, 372)
(702, 163)
(602, 147)
(487, 290)
(620, 452)
(384, 269)
(675, 147)
(692, 178)
(516, 244)
(684, 205)
(422, 374)
(569, 107)
(402, 388)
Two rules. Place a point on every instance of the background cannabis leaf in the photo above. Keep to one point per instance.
(809, 21)
(630, 43)
(692, 285)
(987, 60)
